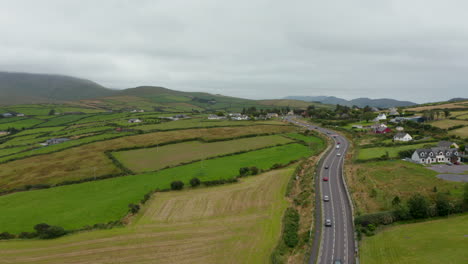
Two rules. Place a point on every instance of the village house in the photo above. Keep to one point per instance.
(374, 109)
(405, 137)
(137, 111)
(54, 141)
(4, 133)
(19, 114)
(436, 155)
(135, 120)
(381, 129)
(271, 115)
(215, 117)
(380, 117)
(7, 114)
(241, 117)
(393, 111)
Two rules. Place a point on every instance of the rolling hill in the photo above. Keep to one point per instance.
(361, 102)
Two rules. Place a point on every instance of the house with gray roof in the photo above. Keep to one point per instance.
(436, 155)
(54, 141)
(402, 136)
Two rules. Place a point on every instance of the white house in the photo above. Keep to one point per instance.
(4, 133)
(434, 155)
(271, 115)
(7, 115)
(216, 117)
(135, 120)
(19, 114)
(380, 117)
(405, 137)
(241, 117)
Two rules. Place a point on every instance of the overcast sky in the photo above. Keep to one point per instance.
(411, 50)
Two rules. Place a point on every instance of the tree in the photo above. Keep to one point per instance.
(6, 236)
(434, 189)
(134, 208)
(41, 227)
(254, 170)
(442, 205)
(462, 148)
(418, 206)
(244, 171)
(446, 113)
(194, 182)
(53, 232)
(52, 112)
(368, 116)
(177, 185)
(396, 201)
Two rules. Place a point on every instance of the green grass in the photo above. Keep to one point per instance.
(10, 151)
(394, 178)
(77, 205)
(20, 124)
(151, 159)
(437, 241)
(62, 120)
(197, 122)
(377, 152)
(239, 221)
(39, 130)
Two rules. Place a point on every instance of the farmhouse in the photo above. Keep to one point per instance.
(216, 117)
(405, 137)
(137, 111)
(135, 120)
(4, 133)
(241, 117)
(271, 115)
(433, 155)
(54, 141)
(7, 115)
(380, 117)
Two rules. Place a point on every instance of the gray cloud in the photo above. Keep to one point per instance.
(411, 50)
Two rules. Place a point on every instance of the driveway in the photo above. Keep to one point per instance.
(458, 173)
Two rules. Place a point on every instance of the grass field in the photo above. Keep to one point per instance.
(61, 120)
(89, 160)
(198, 122)
(77, 205)
(431, 242)
(438, 106)
(461, 132)
(151, 159)
(391, 178)
(446, 123)
(236, 223)
(20, 124)
(377, 152)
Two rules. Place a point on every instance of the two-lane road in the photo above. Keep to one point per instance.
(337, 240)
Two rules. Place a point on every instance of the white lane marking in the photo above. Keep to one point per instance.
(343, 211)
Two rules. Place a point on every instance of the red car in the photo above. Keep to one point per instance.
(338, 143)
(325, 178)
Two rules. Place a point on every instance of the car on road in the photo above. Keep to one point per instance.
(326, 167)
(338, 154)
(325, 178)
(337, 261)
(328, 222)
(338, 143)
(326, 198)
(337, 146)
(448, 163)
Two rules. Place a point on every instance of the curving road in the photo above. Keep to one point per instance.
(337, 240)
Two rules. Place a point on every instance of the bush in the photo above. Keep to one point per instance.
(40, 228)
(134, 208)
(52, 232)
(177, 185)
(27, 235)
(442, 205)
(195, 182)
(254, 170)
(418, 206)
(244, 171)
(291, 227)
(6, 236)
(381, 218)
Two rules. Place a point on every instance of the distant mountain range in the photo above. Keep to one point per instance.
(360, 102)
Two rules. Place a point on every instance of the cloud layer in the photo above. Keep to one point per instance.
(412, 50)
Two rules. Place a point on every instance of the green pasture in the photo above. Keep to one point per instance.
(377, 152)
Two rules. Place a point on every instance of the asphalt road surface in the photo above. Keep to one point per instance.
(337, 240)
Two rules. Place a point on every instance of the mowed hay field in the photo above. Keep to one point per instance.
(75, 206)
(431, 242)
(391, 178)
(446, 123)
(151, 159)
(235, 223)
(440, 106)
(461, 132)
(90, 160)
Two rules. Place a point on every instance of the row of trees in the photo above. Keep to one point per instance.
(43, 231)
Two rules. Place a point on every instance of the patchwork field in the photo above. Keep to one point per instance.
(89, 160)
(77, 205)
(437, 241)
(446, 123)
(236, 223)
(377, 152)
(461, 132)
(151, 159)
(391, 178)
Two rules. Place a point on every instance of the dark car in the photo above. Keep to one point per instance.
(337, 261)
(325, 178)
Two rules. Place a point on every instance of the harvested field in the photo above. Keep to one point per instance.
(236, 223)
(151, 159)
(461, 132)
(89, 160)
(440, 106)
(446, 123)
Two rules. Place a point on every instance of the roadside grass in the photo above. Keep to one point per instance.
(377, 152)
(75, 206)
(89, 160)
(151, 159)
(437, 241)
(393, 178)
(446, 123)
(235, 223)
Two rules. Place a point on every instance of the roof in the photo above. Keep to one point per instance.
(447, 152)
(444, 144)
(400, 135)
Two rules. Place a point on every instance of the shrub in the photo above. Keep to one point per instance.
(177, 185)
(6, 236)
(194, 182)
(244, 171)
(381, 218)
(52, 232)
(26, 235)
(418, 206)
(40, 228)
(291, 227)
(442, 205)
(254, 170)
(134, 208)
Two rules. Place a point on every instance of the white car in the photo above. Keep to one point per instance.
(338, 154)
(326, 198)
(328, 222)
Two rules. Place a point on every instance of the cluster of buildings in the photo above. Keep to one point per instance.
(6, 115)
(239, 116)
(54, 141)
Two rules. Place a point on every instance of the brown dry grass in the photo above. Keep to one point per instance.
(237, 223)
(446, 123)
(442, 106)
(89, 160)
